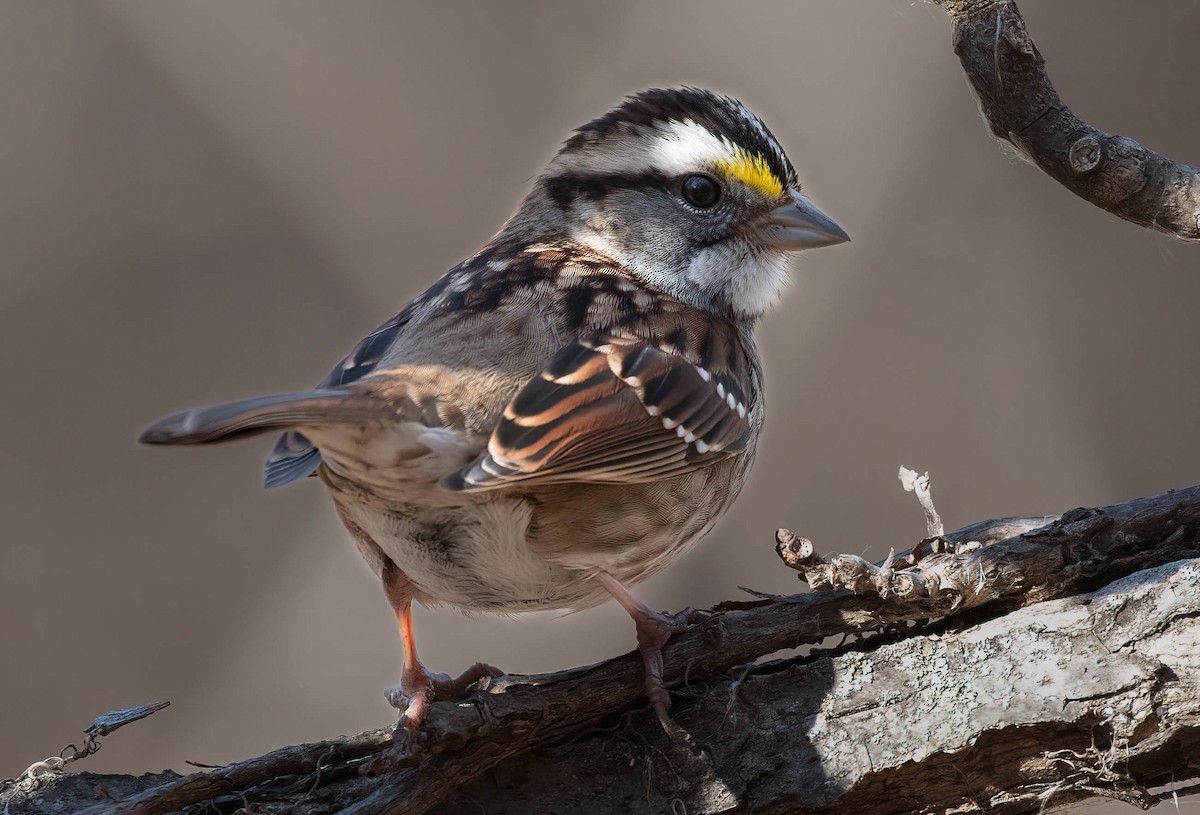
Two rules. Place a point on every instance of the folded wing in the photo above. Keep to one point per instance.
(616, 409)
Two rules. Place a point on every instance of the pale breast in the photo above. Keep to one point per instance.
(511, 553)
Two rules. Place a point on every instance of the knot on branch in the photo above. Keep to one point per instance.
(1085, 154)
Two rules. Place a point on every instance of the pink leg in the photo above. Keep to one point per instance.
(653, 630)
(418, 687)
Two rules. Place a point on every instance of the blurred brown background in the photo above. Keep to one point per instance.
(203, 201)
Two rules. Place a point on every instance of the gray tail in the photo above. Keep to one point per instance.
(248, 417)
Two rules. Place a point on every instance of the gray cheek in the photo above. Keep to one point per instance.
(649, 235)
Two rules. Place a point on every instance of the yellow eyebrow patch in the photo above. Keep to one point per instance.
(752, 170)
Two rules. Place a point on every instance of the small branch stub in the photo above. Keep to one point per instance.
(1085, 155)
(919, 485)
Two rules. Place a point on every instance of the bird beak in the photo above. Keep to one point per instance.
(796, 224)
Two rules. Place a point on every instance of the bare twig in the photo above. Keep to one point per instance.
(1022, 108)
(919, 485)
(102, 725)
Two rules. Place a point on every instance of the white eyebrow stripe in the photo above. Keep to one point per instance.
(685, 146)
(672, 148)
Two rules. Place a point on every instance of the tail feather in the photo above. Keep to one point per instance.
(249, 417)
(293, 458)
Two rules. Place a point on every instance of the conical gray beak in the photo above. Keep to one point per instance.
(797, 224)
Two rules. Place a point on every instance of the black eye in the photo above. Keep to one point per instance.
(701, 191)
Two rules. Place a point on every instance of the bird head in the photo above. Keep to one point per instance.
(690, 192)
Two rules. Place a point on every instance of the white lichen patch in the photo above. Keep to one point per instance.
(1082, 657)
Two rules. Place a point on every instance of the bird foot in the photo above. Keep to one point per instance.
(654, 629)
(418, 687)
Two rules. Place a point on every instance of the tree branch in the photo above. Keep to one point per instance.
(1022, 108)
(991, 705)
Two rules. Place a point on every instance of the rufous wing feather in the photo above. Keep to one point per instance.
(616, 409)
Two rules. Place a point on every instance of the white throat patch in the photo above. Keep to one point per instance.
(752, 282)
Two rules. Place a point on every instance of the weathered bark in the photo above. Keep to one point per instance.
(996, 704)
(1023, 109)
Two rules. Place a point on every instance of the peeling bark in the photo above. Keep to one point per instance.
(1056, 702)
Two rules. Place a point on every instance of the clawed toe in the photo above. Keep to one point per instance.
(398, 697)
(411, 698)
(688, 617)
(453, 690)
(419, 687)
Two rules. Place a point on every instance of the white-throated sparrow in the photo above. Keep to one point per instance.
(565, 412)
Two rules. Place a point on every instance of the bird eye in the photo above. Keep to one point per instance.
(701, 191)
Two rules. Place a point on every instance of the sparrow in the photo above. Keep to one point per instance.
(564, 413)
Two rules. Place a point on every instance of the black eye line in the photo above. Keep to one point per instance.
(568, 187)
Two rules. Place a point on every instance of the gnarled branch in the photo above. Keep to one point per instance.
(1022, 108)
(996, 705)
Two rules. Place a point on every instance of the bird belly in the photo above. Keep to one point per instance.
(633, 531)
(486, 553)
(510, 551)
(461, 550)
(474, 556)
